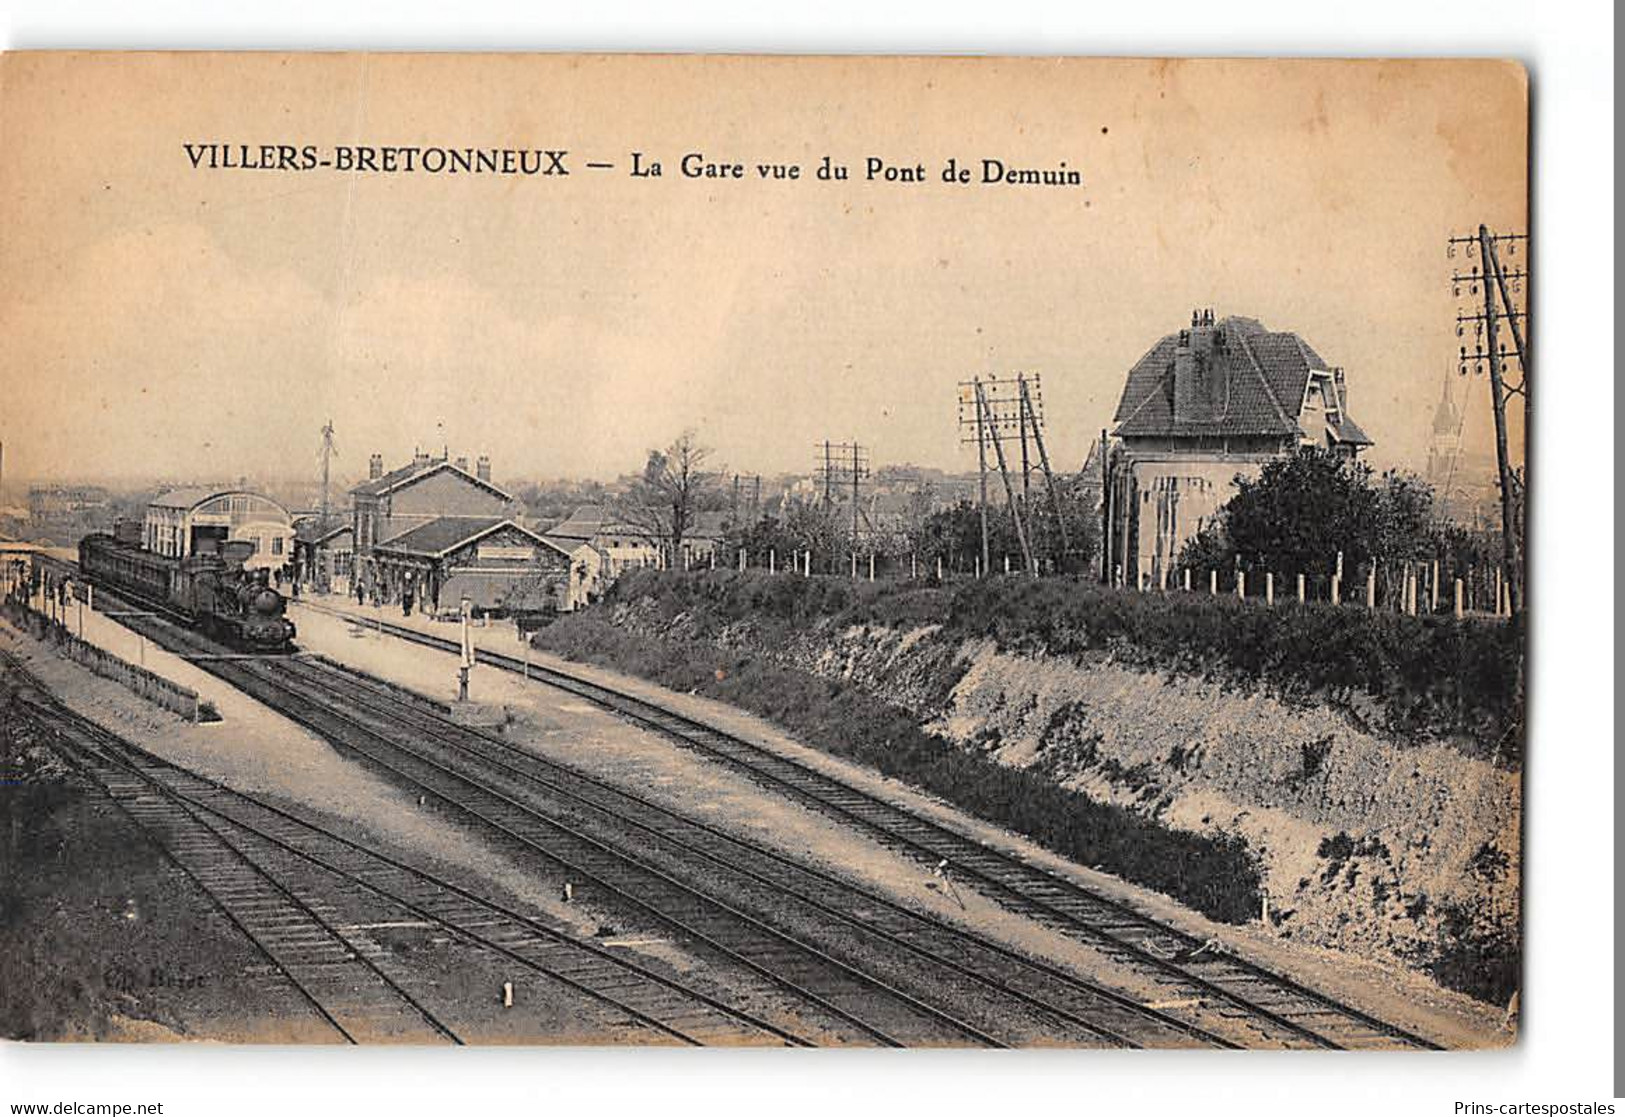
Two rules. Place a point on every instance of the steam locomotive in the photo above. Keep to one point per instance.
(211, 591)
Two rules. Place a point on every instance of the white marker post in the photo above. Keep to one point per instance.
(466, 661)
(1371, 587)
(1300, 589)
(1458, 599)
(1241, 585)
(1213, 583)
(871, 567)
(1269, 589)
(772, 560)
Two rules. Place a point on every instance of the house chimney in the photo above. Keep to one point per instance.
(419, 458)
(462, 464)
(1195, 367)
(375, 467)
(482, 468)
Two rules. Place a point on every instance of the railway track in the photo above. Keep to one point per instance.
(842, 1002)
(307, 896)
(1066, 1006)
(1290, 1013)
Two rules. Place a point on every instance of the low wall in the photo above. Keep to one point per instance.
(145, 684)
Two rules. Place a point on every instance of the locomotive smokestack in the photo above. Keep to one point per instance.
(375, 467)
(482, 468)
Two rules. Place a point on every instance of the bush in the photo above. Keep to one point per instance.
(1425, 676)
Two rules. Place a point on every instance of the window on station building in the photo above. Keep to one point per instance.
(276, 545)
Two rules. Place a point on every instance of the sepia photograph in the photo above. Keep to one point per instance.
(591, 550)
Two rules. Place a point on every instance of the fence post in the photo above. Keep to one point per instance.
(854, 566)
(1213, 582)
(1187, 579)
(1371, 587)
(1433, 588)
(1300, 589)
(913, 566)
(772, 560)
(1269, 589)
(939, 568)
(1458, 599)
(871, 566)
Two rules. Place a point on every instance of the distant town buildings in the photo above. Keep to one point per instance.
(46, 502)
(1214, 400)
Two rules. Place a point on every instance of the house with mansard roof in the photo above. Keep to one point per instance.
(1202, 406)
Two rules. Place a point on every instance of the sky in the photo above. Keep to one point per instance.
(166, 321)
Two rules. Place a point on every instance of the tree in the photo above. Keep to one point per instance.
(670, 492)
(1302, 511)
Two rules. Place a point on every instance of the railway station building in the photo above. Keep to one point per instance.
(185, 522)
(494, 562)
(1202, 406)
(324, 552)
(440, 532)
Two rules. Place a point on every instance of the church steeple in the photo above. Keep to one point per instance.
(1444, 448)
(1446, 420)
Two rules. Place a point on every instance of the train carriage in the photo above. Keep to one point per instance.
(212, 592)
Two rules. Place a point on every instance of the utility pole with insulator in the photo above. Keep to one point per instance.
(1499, 285)
(328, 450)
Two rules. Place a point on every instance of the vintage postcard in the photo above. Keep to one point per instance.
(762, 551)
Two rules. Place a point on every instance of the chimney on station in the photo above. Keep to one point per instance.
(462, 464)
(482, 468)
(375, 467)
(419, 456)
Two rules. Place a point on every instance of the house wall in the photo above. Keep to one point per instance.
(440, 494)
(1161, 499)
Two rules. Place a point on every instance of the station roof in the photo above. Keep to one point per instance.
(186, 499)
(440, 537)
(310, 529)
(591, 520)
(416, 471)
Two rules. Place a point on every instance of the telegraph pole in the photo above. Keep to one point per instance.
(855, 475)
(981, 469)
(1105, 510)
(1498, 305)
(328, 450)
(841, 464)
(1037, 427)
(1009, 493)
